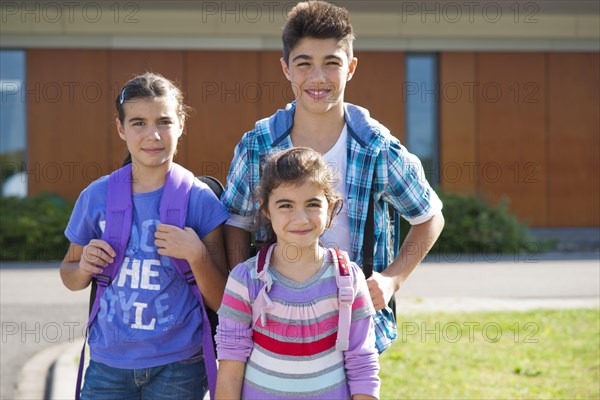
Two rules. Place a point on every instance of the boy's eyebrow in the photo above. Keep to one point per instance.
(307, 57)
(135, 119)
(302, 56)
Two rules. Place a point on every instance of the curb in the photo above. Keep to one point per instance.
(38, 375)
(63, 373)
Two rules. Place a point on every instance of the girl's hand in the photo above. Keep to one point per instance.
(96, 255)
(179, 243)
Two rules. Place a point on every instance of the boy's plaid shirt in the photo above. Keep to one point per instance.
(399, 183)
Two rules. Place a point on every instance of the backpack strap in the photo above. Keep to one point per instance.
(343, 278)
(213, 183)
(118, 215)
(369, 235)
(263, 302)
(173, 210)
(217, 188)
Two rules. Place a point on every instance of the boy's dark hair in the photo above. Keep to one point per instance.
(296, 166)
(319, 20)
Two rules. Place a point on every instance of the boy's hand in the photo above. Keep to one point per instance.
(381, 289)
(96, 255)
(179, 243)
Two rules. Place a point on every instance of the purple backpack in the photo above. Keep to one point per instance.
(173, 211)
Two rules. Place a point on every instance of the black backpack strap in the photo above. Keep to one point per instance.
(369, 237)
(213, 183)
(369, 240)
(217, 187)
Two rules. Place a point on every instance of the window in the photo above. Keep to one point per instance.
(422, 105)
(12, 123)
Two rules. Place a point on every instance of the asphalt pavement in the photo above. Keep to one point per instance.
(42, 322)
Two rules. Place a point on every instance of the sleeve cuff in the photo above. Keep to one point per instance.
(435, 209)
(245, 223)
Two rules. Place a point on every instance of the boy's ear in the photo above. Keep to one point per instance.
(120, 128)
(285, 68)
(352, 68)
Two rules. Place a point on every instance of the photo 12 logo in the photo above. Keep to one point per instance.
(454, 12)
(454, 332)
(70, 12)
(49, 332)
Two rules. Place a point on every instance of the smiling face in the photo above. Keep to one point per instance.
(318, 71)
(298, 214)
(151, 128)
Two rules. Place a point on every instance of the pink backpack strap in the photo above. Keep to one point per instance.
(344, 282)
(263, 302)
(343, 279)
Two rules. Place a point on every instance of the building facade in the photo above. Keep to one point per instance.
(499, 98)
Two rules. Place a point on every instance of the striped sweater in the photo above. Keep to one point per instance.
(293, 354)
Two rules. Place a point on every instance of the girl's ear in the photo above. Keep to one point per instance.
(329, 215)
(120, 128)
(333, 209)
(264, 211)
(181, 125)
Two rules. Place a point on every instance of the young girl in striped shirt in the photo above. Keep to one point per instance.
(288, 348)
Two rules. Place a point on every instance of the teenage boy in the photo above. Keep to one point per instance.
(318, 61)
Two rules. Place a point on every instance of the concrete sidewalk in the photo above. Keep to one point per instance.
(478, 284)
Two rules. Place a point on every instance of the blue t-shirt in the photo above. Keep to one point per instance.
(148, 316)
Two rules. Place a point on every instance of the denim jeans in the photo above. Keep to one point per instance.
(179, 380)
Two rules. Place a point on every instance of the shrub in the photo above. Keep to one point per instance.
(473, 226)
(32, 228)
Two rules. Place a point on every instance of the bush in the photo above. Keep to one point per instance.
(32, 228)
(472, 226)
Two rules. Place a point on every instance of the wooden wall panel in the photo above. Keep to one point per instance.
(66, 119)
(378, 86)
(511, 131)
(275, 90)
(574, 139)
(529, 121)
(124, 65)
(458, 118)
(218, 85)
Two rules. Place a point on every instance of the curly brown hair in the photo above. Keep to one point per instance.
(297, 166)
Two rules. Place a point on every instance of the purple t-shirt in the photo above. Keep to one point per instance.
(148, 316)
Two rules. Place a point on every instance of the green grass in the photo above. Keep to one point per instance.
(500, 355)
